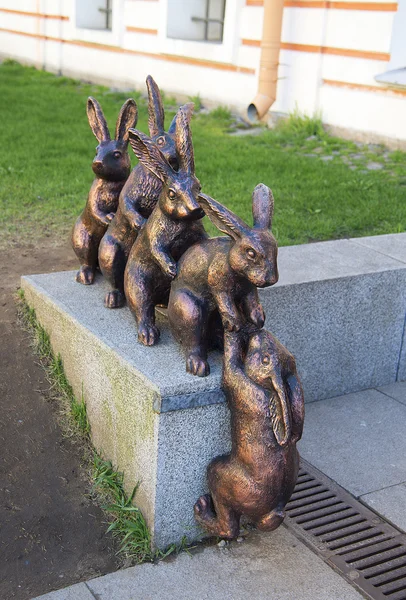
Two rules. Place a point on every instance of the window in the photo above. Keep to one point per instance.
(197, 20)
(94, 14)
(396, 74)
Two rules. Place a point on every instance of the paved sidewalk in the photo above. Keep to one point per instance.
(272, 566)
(358, 440)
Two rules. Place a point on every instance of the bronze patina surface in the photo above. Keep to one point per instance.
(219, 278)
(137, 200)
(266, 401)
(172, 228)
(111, 166)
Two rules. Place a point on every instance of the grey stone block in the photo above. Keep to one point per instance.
(358, 440)
(339, 307)
(332, 260)
(390, 503)
(273, 566)
(75, 592)
(345, 332)
(395, 390)
(393, 244)
(402, 359)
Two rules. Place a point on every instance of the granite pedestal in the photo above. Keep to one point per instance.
(339, 307)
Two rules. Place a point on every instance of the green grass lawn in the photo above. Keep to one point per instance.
(47, 149)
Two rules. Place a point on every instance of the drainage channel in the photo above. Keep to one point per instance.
(365, 549)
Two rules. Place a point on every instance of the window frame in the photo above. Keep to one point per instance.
(206, 50)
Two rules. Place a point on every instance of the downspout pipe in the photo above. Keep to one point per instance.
(269, 62)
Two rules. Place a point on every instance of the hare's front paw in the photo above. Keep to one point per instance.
(108, 218)
(148, 334)
(114, 299)
(257, 316)
(231, 323)
(85, 275)
(195, 365)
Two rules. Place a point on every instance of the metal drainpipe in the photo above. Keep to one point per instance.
(268, 66)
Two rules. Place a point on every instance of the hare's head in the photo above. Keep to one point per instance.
(156, 124)
(265, 364)
(112, 161)
(178, 199)
(253, 255)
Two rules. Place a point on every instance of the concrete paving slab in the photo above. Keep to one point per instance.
(76, 592)
(274, 566)
(393, 244)
(395, 390)
(390, 503)
(358, 440)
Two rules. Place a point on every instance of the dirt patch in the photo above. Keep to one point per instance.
(51, 534)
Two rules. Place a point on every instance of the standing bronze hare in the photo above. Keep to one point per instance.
(220, 276)
(111, 167)
(137, 200)
(174, 225)
(266, 401)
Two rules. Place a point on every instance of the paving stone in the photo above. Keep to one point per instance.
(390, 503)
(374, 166)
(357, 156)
(395, 390)
(358, 440)
(309, 155)
(274, 566)
(245, 132)
(326, 158)
(75, 592)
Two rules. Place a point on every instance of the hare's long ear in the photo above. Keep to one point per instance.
(172, 127)
(156, 115)
(127, 118)
(183, 139)
(189, 109)
(222, 218)
(97, 121)
(149, 155)
(262, 207)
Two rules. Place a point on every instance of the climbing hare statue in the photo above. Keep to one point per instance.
(267, 411)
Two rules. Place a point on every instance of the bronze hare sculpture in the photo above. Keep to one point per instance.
(137, 200)
(220, 276)
(172, 228)
(111, 167)
(267, 412)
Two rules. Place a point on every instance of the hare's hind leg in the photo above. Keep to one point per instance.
(271, 520)
(188, 319)
(112, 261)
(140, 298)
(214, 511)
(220, 521)
(85, 245)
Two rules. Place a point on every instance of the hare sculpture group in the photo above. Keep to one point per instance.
(144, 231)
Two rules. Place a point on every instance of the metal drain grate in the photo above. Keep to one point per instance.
(361, 546)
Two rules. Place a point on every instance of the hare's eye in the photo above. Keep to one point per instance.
(172, 194)
(266, 359)
(117, 154)
(160, 141)
(251, 253)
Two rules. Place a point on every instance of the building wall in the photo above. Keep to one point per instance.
(331, 52)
